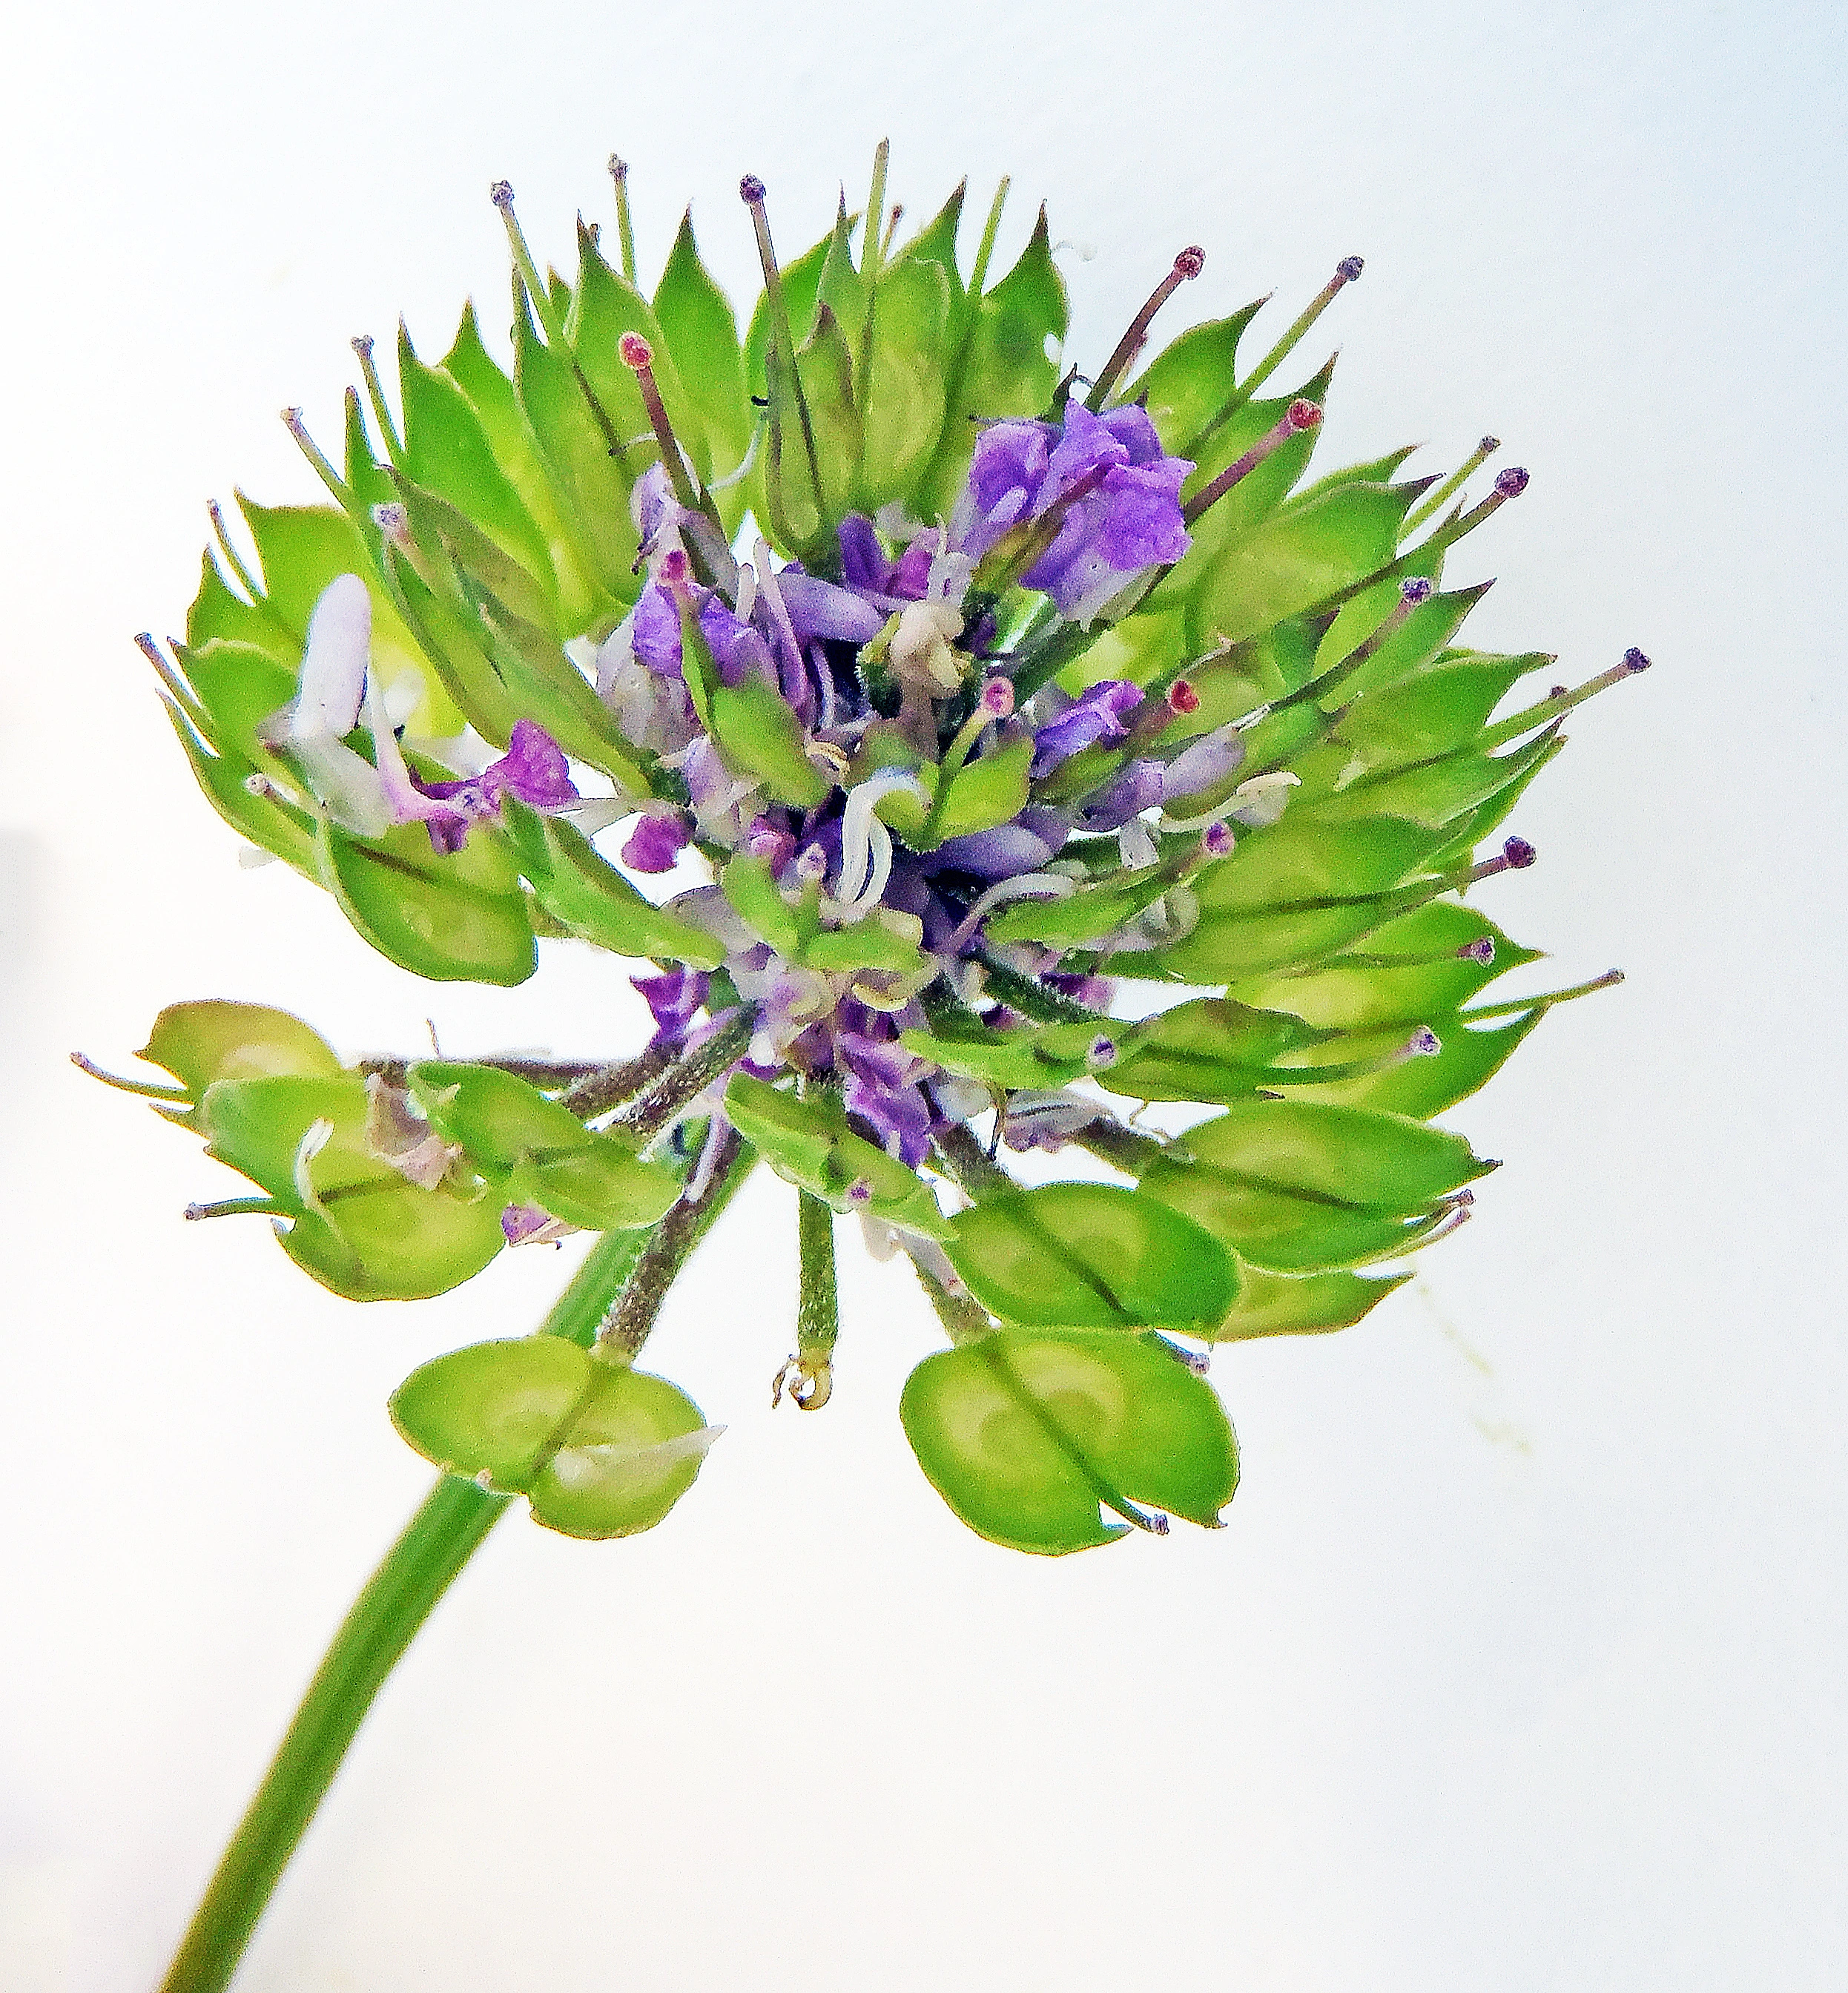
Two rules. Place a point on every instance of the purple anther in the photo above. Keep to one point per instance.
(1489, 444)
(1303, 415)
(635, 351)
(1415, 588)
(860, 1192)
(1512, 482)
(750, 188)
(1519, 853)
(1558, 691)
(1102, 1053)
(998, 698)
(1424, 1043)
(1190, 261)
(1481, 949)
(1216, 839)
(1635, 660)
(361, 343)
(1349, 268)
(501, 194)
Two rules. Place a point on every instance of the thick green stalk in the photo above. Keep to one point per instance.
(455, 1516)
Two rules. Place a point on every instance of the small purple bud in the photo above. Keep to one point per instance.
(1415, 588)
(1216, 839)
(1424, 1043)
(1349, 268)
(362, 344)
(750, 189)
(1482, 949)
(501, 194)
(619, 167)
(1512, 482)
(1190, 261)
(635, 351)
(1519, 853)
(1635, 660)
(859, 1191)
(1102, 1053)
(998, 698)
(1303, 415)
(1489, 444)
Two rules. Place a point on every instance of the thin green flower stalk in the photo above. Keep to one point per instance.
(963, 757)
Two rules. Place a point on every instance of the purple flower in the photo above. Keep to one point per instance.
(675, 998)
(1202, 765)
(738, 649)
(534, 770)
(1138, 788)
(1006, 475)
(864, 561)
(899, 1116)
(1097, 714)
(1128, 521)
(659, 837)
(819, 608)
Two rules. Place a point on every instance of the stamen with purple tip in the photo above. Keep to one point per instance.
(1346, 272)
(1516, 855)
(1187, 266)
(638, 356)
(1435, 502)
(619, 174)
(1631, 664)
(751, 191)
(1300, 415)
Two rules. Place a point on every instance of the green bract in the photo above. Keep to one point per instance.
(880, 688)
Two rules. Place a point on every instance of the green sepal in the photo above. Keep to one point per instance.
(1002, 368)
(1024, 1055)
(584, 893)
(1294, 894)
(902, 419)
(1439, 792)
(808, 1143)
(1409, 971)
(1297, 558)
(1210, 1049)
(702, 335)
(1301, 1304)
(1297, 1185)
(1088, 915)
(1469, 1056)
(447, 451)
(750, 885)
(453, 918)
(202, 1042)
(1186, 383)
(1024, 1434)
(1089, 1256)
(761, 738)
(375, 1236)
(265, 820)
(982, 793)
(1433, 709)
(592, 485)
(503, 1125)
(240, 686)
(598, 1450)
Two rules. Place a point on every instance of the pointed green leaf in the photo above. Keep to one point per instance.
(1024, 1435)
(1090, 1256)
(701, 336)
(583, 892)
(1301, 1304)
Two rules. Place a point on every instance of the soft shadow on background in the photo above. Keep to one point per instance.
(1518, 1664)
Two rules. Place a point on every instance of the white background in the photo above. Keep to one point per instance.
(1519, 1663)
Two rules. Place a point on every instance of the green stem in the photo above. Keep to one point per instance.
(418, 1568)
